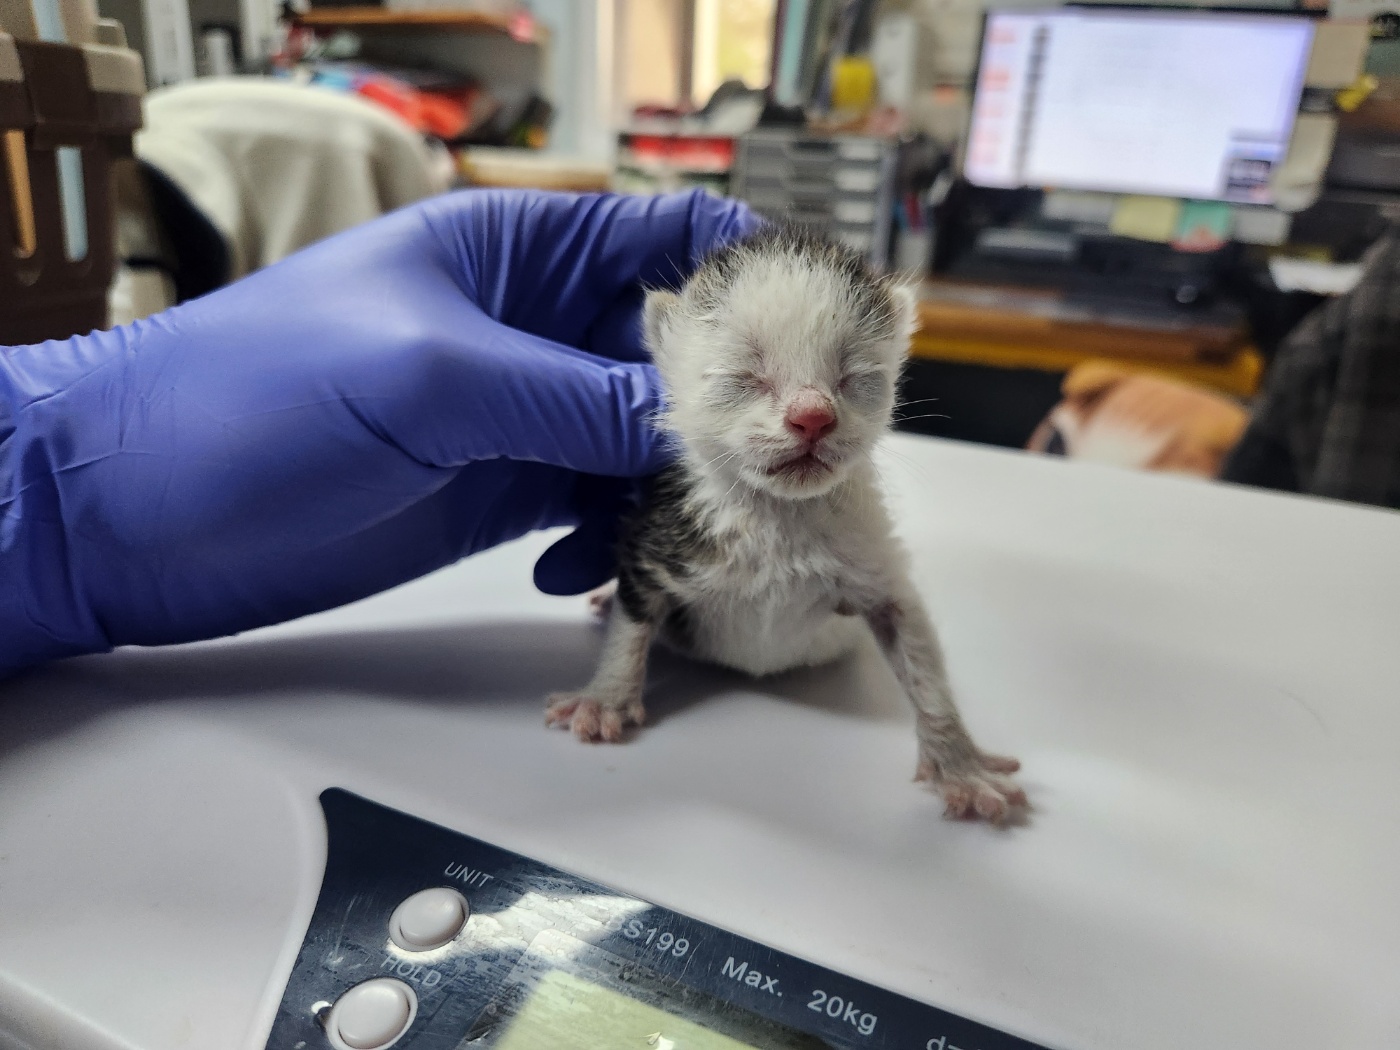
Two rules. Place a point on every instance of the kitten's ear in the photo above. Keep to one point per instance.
(658, 307)
(906, 305)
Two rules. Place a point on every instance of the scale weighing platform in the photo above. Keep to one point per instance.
(354, 831)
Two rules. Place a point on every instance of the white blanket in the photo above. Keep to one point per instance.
(276, 166)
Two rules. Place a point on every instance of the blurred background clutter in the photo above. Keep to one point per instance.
(1156, 237)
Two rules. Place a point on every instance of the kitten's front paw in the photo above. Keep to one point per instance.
(600, 601)
(591, 719)
(984, 792)
(973, 783)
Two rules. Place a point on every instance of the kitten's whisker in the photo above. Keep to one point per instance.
(722, 458)
(731, 489)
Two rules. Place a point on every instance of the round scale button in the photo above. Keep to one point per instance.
(372, 1015)
(428, 919)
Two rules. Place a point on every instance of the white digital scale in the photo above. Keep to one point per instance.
(356, 831)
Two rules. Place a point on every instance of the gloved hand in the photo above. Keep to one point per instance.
(420, 388)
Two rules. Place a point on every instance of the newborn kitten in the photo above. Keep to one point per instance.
(767, 545)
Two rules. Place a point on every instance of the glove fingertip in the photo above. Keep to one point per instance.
(576, 564)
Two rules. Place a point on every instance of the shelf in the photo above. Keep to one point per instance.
(522, 169)
(525, 30)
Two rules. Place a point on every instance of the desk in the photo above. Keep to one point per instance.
(1018, 328)
(1199, 679)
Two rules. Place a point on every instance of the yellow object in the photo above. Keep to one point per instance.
(567, 1013)
(1146, 218)
(22, 199)
(852, 83)
(1350, 98)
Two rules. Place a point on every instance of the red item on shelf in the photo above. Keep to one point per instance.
(688, 152)
(397, 98)
(447, 114)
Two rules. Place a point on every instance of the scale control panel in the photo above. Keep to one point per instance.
(424, 939)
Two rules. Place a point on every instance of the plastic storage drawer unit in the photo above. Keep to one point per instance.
(838, 185)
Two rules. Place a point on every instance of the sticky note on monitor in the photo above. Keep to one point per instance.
(1298, 181)
(1146, 218)
(1338, 53)
(1078, 206)
(1204, 227)
(1261, 226)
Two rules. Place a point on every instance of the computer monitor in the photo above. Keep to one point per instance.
(1177, 103)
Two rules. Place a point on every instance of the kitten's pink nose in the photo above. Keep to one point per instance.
(810, 417)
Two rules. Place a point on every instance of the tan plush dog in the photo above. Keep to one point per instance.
(1116, 414)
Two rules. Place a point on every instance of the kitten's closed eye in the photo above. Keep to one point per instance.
(726, 388)
(863, 388)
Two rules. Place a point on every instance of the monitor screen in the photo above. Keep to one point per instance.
(1176, 103)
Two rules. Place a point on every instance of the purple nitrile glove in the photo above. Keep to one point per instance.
(375, 407)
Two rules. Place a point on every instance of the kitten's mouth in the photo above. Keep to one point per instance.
(803, 467)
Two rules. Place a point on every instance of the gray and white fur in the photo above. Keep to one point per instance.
(767, 545)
